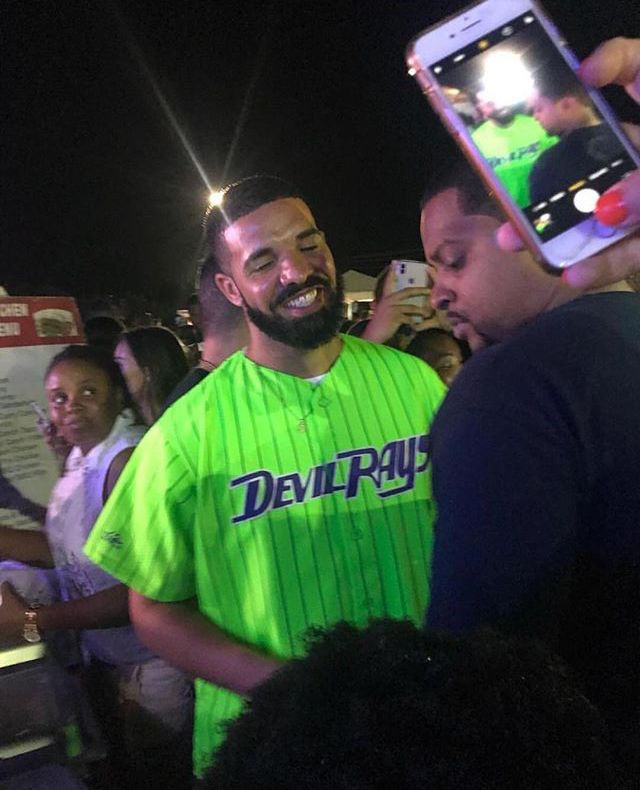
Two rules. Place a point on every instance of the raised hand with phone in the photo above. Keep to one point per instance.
(401, 305)
(497, 72)
(617, 62)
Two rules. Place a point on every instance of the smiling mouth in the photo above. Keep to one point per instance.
(303, 299)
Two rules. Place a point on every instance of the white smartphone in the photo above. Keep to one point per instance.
(503, 81)
(411, 274)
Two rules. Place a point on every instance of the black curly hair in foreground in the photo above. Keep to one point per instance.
(392, 707)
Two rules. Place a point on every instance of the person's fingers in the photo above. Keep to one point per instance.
(633, 133)
(408, 293)
(409, 309)
(620, 205)
(612, 266)
(390, 282)
(626, 192)
(508, 238)
(615, 61)
(420, 326)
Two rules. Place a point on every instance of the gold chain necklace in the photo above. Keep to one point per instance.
(301, 421)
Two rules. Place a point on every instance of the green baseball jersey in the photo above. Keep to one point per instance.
(281, 504)
(512, 151)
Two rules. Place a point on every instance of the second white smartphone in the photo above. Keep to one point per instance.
(503, 81)
(411, 274)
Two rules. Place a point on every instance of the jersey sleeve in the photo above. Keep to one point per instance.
(507, 488)
(143, 535)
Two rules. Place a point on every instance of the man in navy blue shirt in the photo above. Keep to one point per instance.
(536, 456)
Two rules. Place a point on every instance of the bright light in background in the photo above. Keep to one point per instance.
(506, 81)
(216, 197)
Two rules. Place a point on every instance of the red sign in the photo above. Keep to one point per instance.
(39, 321)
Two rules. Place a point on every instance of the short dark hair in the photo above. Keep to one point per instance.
(158, 351)
(217, 313)
(422, 340)
(240, 199)
(100, 359)
(103, 331)
(473, 196)
(556, 84)
(392, 706)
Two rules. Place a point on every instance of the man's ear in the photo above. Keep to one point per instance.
(568, 103)
(228, 288)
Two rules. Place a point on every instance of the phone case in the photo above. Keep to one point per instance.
(456, 128)
(411, 274)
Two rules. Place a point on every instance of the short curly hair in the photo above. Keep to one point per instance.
(393, 707)
(241, 198)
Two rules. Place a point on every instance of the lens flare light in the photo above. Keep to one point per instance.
(216, 197)
(506, 80)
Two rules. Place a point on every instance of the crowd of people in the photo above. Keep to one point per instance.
(406, 555)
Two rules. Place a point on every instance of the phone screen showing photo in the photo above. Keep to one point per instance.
(533, 122)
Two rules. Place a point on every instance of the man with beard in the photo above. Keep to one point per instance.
(289, 489)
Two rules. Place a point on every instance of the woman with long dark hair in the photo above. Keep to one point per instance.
(152, 361)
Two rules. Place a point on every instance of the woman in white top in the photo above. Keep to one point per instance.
(90, 408)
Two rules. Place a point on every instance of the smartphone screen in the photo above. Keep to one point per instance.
(534, 123)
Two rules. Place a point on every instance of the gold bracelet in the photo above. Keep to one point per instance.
(30, 630)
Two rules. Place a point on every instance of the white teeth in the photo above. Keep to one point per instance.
(305, 300)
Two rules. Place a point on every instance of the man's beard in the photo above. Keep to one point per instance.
(310, 331)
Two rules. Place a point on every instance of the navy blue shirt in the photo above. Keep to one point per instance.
(578, 154)
(536, 473)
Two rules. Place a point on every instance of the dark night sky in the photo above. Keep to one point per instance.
(98, 193)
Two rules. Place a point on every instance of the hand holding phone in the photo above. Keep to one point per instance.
(503, 82)
(618, 62)
(404, 302)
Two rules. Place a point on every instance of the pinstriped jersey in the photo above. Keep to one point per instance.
(281, 504)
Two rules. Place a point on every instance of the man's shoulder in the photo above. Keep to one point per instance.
(192, 378)
(413, 376)
(597, 314)
(358, 347)
(573, 340)
(550, 157)
(191, 418)
(200, 384)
